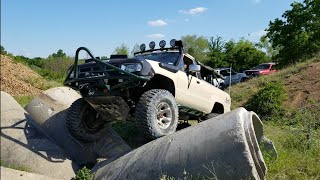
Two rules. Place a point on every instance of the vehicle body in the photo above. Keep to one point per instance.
(262, 69)
(153, 88)
(231, 75)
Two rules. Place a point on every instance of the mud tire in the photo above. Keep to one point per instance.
(79, 116)
(148, 113)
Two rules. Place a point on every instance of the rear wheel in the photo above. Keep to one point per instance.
(83, 122)
(157, 113)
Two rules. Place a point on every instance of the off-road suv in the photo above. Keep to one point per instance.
(153, 88)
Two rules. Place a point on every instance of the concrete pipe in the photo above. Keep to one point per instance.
(24, 147)
(225, 147)
(49, 112)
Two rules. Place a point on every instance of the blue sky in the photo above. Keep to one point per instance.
(37, 28)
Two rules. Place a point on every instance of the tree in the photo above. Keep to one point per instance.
(136, 48)
(216, 54)
(243, 55)
(59, 54)
(265, 45)
(121, 50)
(196, 46)
(2, 50)
(297, 34)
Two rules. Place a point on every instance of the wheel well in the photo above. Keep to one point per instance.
(218, 108)
(161, 82)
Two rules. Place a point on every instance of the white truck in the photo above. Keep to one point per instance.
(153, 88)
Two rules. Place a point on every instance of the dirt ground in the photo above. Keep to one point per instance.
(15, 77)
(304, 87)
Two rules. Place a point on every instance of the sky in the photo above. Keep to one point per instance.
(38, 28)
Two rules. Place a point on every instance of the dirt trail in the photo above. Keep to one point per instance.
(16, 78)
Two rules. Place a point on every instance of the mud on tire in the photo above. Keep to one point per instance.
(157, 113)
(83, 122)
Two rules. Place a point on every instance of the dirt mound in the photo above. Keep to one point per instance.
(304, 86)
(16, 78)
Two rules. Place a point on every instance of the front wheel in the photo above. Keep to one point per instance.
(83, 122)
(157, 113)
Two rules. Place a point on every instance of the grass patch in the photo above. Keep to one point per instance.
(83, 174)
(16, 167)
(23, 100)
(295, 131)
(296, 158)
(128, 131)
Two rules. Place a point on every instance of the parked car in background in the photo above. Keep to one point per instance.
(211, 76)
(262, 69)
(230, 75)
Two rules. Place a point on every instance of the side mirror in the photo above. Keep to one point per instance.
(194, 68)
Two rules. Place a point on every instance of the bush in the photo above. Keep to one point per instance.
(83, 174)
(268, 101)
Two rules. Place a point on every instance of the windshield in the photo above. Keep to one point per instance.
(263, 66)
(163, 57)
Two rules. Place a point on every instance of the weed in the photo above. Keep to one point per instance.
(15, 166)
(23, 100)
(83, 174)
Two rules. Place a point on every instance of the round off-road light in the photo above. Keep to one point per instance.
(152, 44)
(142, 47)
(162, 43)
(173, 42)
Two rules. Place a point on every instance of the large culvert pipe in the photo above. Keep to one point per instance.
(225, 147)
(48, 111)
(22, 146)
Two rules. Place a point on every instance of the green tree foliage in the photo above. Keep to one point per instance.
(216, 53)
(240, 55)
(243, 55)
(59, 54)
(197, 46)
(297, 34)
(2, 50)
(121, 50)
(265, 45)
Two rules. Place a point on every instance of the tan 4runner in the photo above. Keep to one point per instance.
(154, 88)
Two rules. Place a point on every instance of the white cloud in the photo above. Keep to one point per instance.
(255, 36)
(256, 1)
(156, 36)
(23, 52)
(194, 11)
(157, 23)
(259, 33)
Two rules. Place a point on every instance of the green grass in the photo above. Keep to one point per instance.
(23, 100)
(295, 132)
(295, 160)
(16, 167)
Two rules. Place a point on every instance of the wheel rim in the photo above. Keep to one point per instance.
(91, 119)
(164, 115)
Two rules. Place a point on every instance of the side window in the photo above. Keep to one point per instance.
(274, 67)
(187, 61)
(225, 73)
